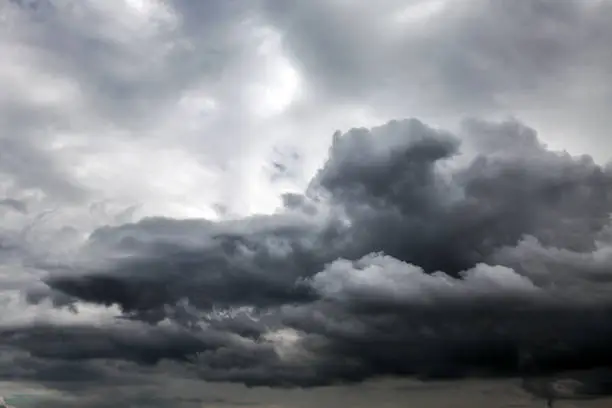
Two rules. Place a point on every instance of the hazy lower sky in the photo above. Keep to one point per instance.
(230, 203)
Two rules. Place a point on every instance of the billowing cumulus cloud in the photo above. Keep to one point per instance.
(413, 252)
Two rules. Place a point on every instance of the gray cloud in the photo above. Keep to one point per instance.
(448, 250)
(488, 47)
(417, 257)
(14, 204)
(31, 168)
(483, 57)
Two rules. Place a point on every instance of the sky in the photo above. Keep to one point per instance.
(296, 204)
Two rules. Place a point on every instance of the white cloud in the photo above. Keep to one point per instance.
(379, 277)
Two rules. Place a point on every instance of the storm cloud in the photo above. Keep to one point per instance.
(413, 252)
(178, 210)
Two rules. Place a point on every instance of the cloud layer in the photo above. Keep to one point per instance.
(176, 207)
(413, 252)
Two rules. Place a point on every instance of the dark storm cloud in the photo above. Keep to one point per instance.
(253, 264)
(146, 346)
(390, 317)
(413, 252)
(257, 261)
(400, 202)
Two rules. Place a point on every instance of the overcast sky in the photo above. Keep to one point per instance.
(305, 203)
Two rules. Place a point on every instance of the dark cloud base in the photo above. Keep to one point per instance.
(413, 252)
